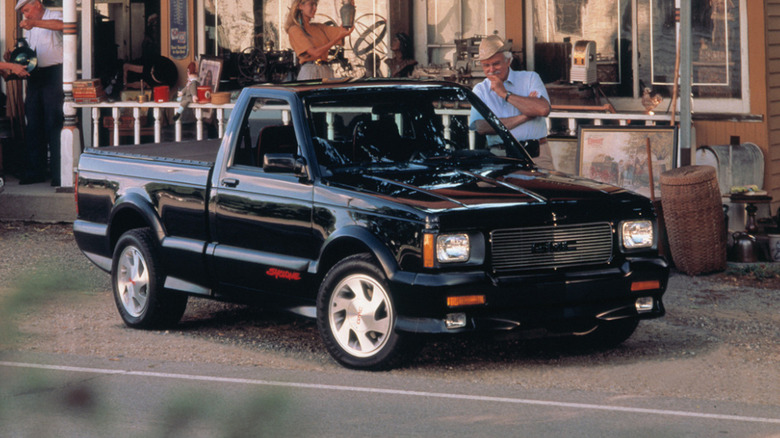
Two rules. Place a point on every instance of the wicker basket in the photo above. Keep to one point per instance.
(693, 213)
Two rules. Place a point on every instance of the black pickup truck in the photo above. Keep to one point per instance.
(374, 208)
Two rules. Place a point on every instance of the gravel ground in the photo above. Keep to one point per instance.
(718, 341)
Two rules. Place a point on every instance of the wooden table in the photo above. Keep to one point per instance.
(751, 201)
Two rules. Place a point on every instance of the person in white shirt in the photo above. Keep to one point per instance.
(518, 98)
(43, 105)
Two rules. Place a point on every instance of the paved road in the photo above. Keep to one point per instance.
(68, 396)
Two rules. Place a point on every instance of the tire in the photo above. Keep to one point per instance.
(137, 281)
(609, 334)
(354, 337)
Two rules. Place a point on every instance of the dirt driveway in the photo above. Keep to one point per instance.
(720, 339)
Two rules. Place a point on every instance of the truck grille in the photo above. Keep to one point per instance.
(551, 246)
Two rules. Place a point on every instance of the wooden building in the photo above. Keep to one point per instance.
(732, 55)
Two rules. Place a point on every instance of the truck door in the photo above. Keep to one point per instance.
(261, 221)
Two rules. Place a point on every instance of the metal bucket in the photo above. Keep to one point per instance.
(774, 247)
(738, 165)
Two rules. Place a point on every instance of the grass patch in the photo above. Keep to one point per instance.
(755, 271)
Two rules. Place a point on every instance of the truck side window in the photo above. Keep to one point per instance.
(266, 129)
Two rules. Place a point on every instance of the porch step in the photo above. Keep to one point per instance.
(36, 202)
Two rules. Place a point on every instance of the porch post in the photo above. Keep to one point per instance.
(70, 140)
(686, 78)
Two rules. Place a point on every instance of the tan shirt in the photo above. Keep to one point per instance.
(319, 35)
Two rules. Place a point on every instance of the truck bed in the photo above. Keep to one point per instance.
(199, 151)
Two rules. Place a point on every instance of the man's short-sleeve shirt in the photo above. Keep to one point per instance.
(521, 83)
(318, 35)
(46, 43)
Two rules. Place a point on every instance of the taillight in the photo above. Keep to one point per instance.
(76, 190)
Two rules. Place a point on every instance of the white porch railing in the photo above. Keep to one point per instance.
(598, 118)
(572, 118)
(136, 108)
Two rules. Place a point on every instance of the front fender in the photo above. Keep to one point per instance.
(349, 240)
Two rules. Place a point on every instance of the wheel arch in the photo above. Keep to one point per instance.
(350, 241)
(133, 211)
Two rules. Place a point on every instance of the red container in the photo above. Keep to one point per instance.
(204, 94)
(162, 94)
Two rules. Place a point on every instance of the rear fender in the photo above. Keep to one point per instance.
(133, 210)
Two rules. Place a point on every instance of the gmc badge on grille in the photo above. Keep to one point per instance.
(545, 247)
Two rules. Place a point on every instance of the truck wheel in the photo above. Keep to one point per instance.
(137, 280)
(610, 334)
(356, 316)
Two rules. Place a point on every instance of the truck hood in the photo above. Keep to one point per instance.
(434, 189)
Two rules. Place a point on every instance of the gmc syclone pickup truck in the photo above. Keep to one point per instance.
(374, 208)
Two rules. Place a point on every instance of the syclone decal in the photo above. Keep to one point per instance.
(284, 275)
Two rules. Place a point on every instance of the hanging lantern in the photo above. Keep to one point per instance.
(347, 13)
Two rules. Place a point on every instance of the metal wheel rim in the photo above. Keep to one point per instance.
(132, 281)
(360, 315)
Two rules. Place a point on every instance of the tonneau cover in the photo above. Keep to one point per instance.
(199, 150)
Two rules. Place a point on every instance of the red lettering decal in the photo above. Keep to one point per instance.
(284, 275)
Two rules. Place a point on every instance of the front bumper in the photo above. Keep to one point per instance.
(562, 302)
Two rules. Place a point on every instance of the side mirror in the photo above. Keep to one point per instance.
(284, 163)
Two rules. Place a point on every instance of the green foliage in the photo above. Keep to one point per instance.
(757, 271)
(34, 287)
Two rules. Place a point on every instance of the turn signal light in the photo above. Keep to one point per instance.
(428, 250)
(466, 300)
(645, 285)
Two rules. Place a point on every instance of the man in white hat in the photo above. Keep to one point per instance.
(43, 105)
(518, 98)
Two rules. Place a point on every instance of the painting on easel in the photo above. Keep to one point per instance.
(618, 155)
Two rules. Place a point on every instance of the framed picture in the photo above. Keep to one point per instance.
(209, 70)
(565, 154)
(618, 155)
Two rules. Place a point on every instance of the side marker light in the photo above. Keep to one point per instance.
(645, 285)
(465, 300)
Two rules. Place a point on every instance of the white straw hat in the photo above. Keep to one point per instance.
(491, 45)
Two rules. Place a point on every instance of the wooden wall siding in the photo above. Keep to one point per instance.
(720, 132)
(515, 17)
(772, 69)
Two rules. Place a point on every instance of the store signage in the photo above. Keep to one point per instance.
(179, 29)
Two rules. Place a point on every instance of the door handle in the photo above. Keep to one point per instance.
(229, 182)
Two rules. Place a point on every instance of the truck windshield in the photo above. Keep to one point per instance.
(383, 126)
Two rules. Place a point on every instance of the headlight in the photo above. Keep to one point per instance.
(637, 234)
(452, 248)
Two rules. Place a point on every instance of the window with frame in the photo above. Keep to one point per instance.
(636, 44)
(231, 26)
(266, 129)
(364, 50)
(449, 20)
